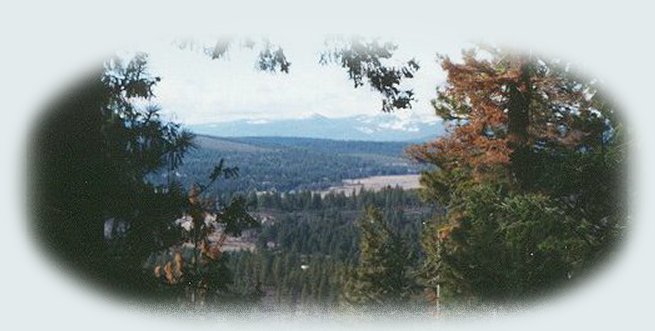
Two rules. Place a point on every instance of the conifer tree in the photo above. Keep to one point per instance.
(95, 203)
(530, 174)
(380, 277)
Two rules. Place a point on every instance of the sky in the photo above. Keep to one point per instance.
(76, 35)
(196, 89)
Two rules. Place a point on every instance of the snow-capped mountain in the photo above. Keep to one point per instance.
(380, 127)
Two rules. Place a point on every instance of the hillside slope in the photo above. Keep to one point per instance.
(290, 164)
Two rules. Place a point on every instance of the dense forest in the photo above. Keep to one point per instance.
(308, 244)
(523, 194)
(290, 164)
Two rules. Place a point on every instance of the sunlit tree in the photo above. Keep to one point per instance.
(530, 173)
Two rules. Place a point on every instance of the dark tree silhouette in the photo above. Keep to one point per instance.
(366, 62)
(94, 206)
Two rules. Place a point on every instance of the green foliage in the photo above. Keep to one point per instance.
(289, 164)
(365, 61)
(90, 155)
(545, 206)
(381, 276)
(94, 205)
(508, 246)
(304, 250)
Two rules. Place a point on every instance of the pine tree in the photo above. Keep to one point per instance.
(530, 175)
(380, 277)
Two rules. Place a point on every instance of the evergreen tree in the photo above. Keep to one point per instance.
(92, 153)
(95, 205)
(530, 174)
(381, 275)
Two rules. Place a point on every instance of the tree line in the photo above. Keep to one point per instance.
(311, 245)
(526, 193)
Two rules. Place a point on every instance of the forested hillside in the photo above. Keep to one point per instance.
(308, 245)
(290, 164)
(524, 193)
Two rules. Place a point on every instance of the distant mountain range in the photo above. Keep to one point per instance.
(381, 127)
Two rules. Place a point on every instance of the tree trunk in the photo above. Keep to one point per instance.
(518, 113)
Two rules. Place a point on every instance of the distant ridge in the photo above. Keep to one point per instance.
(288, 164)
(381, 127)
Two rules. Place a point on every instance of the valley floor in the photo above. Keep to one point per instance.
(374, 183)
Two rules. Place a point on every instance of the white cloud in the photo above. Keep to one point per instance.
(195, 89)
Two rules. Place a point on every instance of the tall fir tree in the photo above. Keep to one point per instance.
(530, 173)
(381, 277)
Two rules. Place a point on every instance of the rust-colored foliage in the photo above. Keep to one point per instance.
(204, 251)
(194, 264)
(501, 104)
(529, 174)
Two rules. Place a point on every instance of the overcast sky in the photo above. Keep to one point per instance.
(196, 89)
